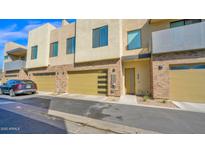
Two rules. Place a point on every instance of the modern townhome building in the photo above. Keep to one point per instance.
(14, 61)
(178, 60)
(162, 58)
(79, 57)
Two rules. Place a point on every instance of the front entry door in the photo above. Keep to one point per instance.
(130, 80)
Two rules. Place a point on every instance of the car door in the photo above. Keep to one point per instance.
(8, 86)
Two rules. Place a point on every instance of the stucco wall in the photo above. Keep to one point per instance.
(61, 35)
(84, 50)
(146, 32)
(40, 37)
(142, 76)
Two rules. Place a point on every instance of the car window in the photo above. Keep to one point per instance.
(10, 82)
(27, 81)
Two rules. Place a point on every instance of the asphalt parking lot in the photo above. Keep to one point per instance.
(27, 114)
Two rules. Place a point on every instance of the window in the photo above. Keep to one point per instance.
(177, 23)
(54, 49)
(184, 22)
(134, 39)
(100, 37)
(192, 21)
(189, 66)
(10, 82)
(34, 52)
(70, 45)
(5, 57)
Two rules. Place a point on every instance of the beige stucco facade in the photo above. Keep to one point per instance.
(84, 50)
(142, 70)
(61, 35)
(115, 58)
(146, 33)
(143, 74)
(40, 37)
(94, 58)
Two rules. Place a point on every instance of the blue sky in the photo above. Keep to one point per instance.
(16, 30)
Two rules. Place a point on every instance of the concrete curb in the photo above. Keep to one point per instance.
(112, 102)
(117, 128)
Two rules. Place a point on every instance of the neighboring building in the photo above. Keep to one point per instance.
(1, 76)
(117, 57)
(14, 61)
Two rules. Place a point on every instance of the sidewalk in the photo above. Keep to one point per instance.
(128, 118)
(195, 107)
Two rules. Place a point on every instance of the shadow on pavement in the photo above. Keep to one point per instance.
(37, 102)
(11, 123)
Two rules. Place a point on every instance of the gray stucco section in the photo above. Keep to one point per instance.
(14, 65)
(189, 37)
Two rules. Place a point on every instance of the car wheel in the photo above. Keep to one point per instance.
(1, 92)
(11, 93)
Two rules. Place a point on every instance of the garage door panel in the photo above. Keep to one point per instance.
(45, 82)
(187, 85)
(88, 82)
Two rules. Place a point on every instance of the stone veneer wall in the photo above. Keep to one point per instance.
(62, 71)
(19, 74)
(160, 77)
(23, 75)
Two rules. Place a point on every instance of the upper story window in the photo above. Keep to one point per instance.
(34, 52)
(5, 57)
(100, 37)
(184, 22)
(70, 45)
(134, 39)
(54, 49)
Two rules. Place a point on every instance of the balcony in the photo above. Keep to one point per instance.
(17, 51)
(184, 38)
(14, 65)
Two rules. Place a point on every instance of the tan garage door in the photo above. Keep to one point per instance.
(88, 82)
(10, 77)
(188, 84)
(45, 81)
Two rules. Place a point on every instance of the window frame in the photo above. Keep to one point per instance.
(51, 54)
(184, 21)
(67, 51)
(187, 66)
(6, 57)
(140, 39)
(33, 57)
(99, 39)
